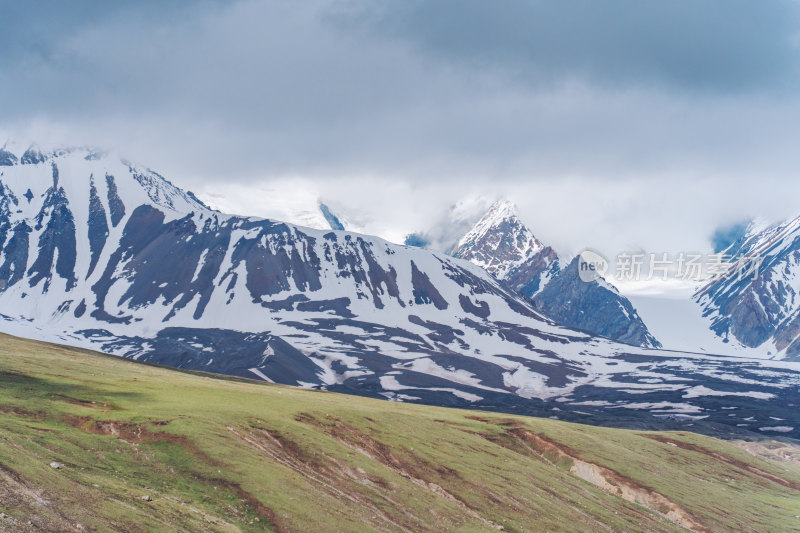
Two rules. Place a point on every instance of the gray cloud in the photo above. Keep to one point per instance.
(709, 45)
(604, 121)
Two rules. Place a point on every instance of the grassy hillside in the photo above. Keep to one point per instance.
(144, 448)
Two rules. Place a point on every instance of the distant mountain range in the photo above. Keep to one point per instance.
(503, 246)
(97, 251)
(754, 315)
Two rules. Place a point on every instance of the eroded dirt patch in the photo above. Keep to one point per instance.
(407, 465)
(329, 475)
(725, 459)
(521, 440)
(137, 433)
(91, 404)
(772, 450)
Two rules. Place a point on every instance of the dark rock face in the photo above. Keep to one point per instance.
(15, 255)
(378, 277)
(160, 260)
(749, 322)
(13, 241)
(57, 241)
(331, 218)
(531, 277)
(337, 306)
(7, 201)
(479, 309)
(98, 227)
(7, 159)
(115, 204)
(592, 306)
(272, 270)
(234, 353)
(32, 156)
(424, 291)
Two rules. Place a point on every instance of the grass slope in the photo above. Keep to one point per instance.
(217, 454)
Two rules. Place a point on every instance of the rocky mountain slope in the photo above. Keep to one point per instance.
(505, 247)
(760, 310)
(98, 252)
(752, 309)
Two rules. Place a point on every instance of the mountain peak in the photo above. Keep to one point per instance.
(499, 241)
(498, 212)
(503, 208)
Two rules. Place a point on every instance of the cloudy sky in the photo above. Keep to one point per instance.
(616, 124)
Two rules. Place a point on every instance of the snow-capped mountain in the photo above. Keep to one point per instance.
(752, 310)
(504, 246)
(763, 310)
(99, 252)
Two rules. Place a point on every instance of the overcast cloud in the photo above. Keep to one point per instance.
(616, 124)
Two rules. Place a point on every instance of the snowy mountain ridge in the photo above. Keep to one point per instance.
(101, 253)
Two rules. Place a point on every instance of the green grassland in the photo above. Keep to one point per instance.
(145, 448)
